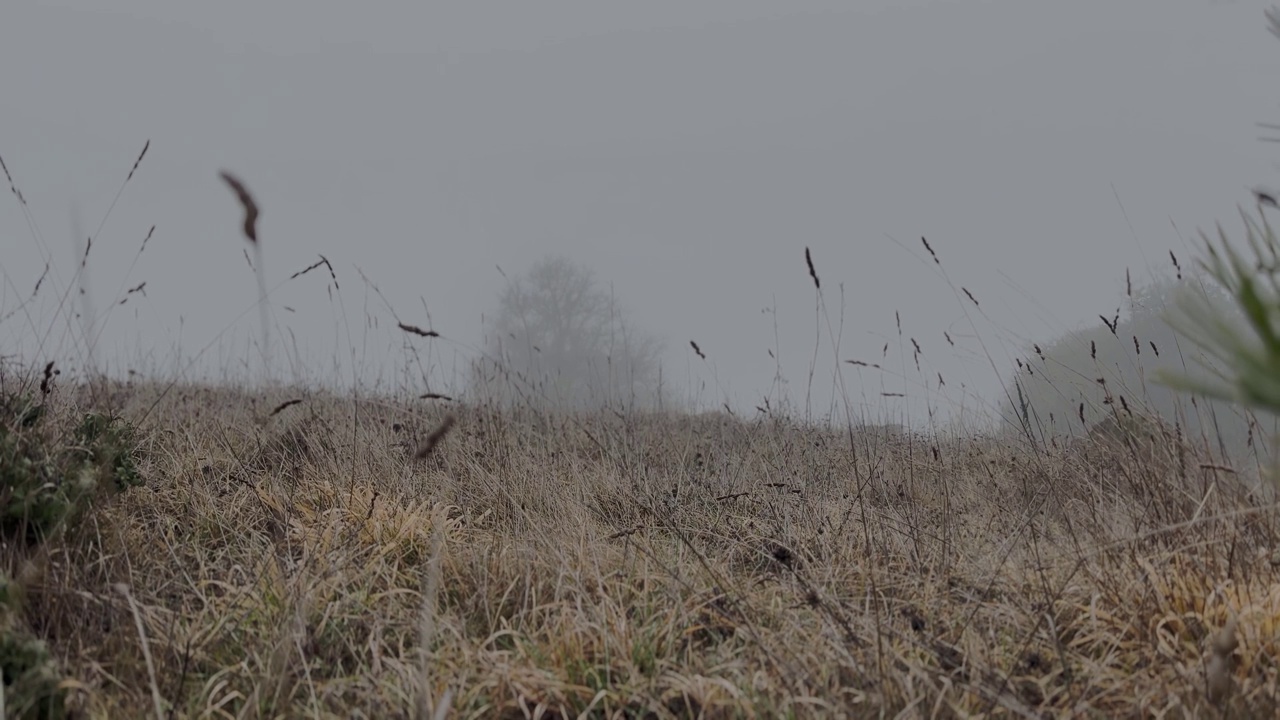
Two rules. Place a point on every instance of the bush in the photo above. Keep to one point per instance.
(31, 678)
(49, 475)
(52, 470)
(1244, 344)
(1249, 352)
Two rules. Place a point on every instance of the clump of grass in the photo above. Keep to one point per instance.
(31, 676)
(1247, 354)
(1242, 345)
(51, 470)
(32, 681)
(54, 464)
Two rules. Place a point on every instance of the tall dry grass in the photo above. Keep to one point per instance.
(282, 565)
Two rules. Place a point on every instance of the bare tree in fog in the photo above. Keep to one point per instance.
(560, 339)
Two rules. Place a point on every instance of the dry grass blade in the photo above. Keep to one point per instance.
(307, 269)
(147, 239)
(156, 699)
(139, 289)
(12, 187)
(808, 260)
(428, 706)
(40, 280)
(414, 329)
(930, 249)
(332, 275)
(284, 406)
(250, 229)
(429, 445)
(323, 261)
(247, 202)
(46, 382)
(1111, 324)
(138, 162)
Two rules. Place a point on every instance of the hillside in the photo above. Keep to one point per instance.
(301, 561)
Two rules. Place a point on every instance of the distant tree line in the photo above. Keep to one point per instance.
(1065, 387)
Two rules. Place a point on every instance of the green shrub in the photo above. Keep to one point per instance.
(1245, 350)
(49, 475)
(31, 678)
(53, 467)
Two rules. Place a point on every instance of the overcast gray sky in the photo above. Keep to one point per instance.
(687, 151)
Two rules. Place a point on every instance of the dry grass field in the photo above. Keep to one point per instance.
(194, 551)
(336, 558)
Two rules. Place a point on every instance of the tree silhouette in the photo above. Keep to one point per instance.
(559, 339)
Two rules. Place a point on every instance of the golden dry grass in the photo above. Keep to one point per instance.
(305, 563)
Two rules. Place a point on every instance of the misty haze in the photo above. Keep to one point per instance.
(664, 359)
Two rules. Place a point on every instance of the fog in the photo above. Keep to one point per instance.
(688, 153)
